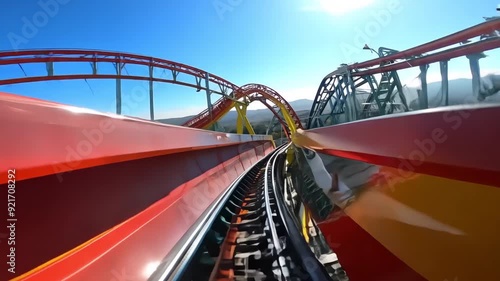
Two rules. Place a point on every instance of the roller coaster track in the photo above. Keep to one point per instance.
(231, 93)
(341, 86)
(248, 229)
(249, 235)
(254, 92)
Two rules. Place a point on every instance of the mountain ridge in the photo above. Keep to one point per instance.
(255, 115)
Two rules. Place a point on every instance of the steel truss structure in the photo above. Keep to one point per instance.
(181, 75)
(340, 90)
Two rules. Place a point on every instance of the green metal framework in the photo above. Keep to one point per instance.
(341, 98)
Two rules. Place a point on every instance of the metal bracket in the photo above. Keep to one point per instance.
(174, 74)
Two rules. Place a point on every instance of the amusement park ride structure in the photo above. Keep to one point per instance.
(339, 88)
(232, 95)
(104, 193)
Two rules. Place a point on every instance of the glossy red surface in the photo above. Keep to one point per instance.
(428, 141)
(362, 256)
(148, 204)
(45, 138)
(116, 192)
(422, 196)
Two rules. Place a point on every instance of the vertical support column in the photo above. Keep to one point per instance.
(354, 100)
(444, 80)
(273, 120)
(249, 127)
(94, 65)
(239, 120)
(94, 68)
(119, 67)
(348, 99)
(333, 116)
(207, 88)
(476, 73)
(270, 126)
(151, 94)
(317, 123)
(50, 68)
(399, 87)
(423, 99)
(243, 120)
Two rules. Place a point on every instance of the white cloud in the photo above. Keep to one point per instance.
(337, 7)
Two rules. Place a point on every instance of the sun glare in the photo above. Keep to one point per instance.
(340, 7)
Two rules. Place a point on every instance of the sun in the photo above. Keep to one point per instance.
(341, 7)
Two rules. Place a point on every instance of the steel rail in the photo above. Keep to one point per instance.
(174, 264)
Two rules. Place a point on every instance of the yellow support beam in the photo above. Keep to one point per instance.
(243, 120)
(286, 115)
(305, 223)
(239, 120)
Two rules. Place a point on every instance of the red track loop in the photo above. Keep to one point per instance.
(224, 104)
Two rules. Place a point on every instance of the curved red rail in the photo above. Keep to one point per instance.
(224, 104)
(220, 107)
(96, 56)
(455, 38)
(284, 126)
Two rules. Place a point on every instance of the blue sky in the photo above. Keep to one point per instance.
(287, 45)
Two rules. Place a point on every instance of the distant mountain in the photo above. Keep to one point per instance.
(255, 116)
(459, 92)
(302, 104)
